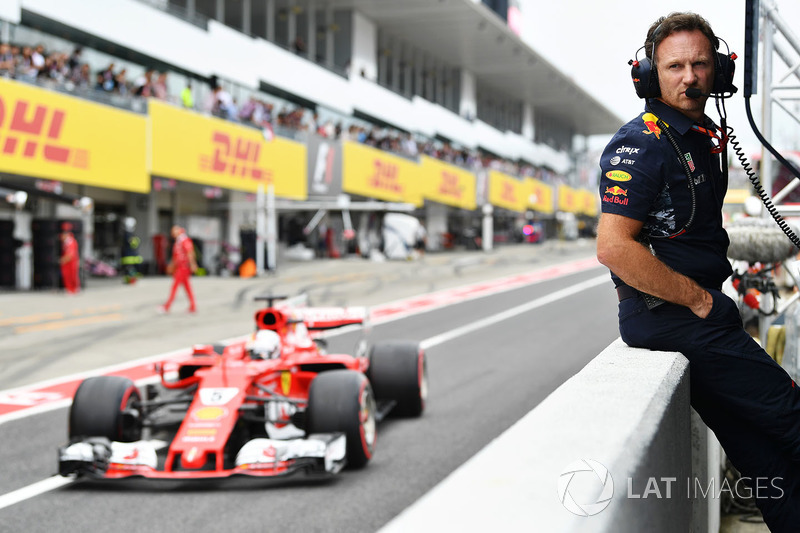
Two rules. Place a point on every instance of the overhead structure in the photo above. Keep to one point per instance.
(468, 34)
(777, 93)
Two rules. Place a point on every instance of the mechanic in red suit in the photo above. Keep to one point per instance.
(183, 264)
(69, 260)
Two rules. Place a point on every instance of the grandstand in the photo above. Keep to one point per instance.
(189, 111)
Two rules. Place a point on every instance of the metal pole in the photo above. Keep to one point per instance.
(771, 14)
(272, 229)
(87, 216)
(291, 26)
(783, 54)
(311, 31)
(22, 231)
(314, 221)
(260, 230)
(246, 17)
(329, 36)
(270, 22)
(487, 236)
(765, 322)
(766, 102)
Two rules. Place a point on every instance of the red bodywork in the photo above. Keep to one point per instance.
(229, 381)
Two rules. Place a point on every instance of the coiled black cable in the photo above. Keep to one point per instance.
(754, 179)
(690, 180)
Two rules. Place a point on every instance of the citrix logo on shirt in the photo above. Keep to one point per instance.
(627, 150)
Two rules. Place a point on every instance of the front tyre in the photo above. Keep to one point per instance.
(398, 371)
(102, 408)
(342, 401)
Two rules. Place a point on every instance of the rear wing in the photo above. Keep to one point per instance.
(314, 318)
(320, 318)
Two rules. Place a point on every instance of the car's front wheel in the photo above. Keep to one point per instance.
(102, 407)
(342, 401)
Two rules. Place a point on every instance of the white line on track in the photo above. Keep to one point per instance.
(35, 489)
(509, 313)
(55, 482)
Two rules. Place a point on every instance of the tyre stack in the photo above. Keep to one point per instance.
(8, 261)
(46, 253)
(247, 237)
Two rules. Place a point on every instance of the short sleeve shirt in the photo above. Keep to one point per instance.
(69, 248)
(643, 178)
(181, 250)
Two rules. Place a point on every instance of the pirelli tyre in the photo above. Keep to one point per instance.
(102, 407)
(398, 372)
(342, 401)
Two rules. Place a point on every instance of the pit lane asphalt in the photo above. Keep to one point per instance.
(47, 334)
(481, 383)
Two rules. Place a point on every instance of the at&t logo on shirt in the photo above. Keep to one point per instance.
(616, 160)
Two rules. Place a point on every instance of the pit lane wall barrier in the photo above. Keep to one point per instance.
(625, 414)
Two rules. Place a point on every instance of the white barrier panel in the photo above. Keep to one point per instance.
(626, 412)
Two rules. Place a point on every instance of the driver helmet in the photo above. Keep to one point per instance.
(265, 345)
(130, 224)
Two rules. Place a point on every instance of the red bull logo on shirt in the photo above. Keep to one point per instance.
(616, 195)
(652, 128)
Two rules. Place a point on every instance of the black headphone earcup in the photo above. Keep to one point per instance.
(723, 76)
(645, 79)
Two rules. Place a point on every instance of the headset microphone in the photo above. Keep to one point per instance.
(694, 92)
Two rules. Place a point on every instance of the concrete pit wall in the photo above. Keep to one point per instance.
(628, 411)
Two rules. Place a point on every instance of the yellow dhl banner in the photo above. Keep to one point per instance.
(191, 147)
(45, 134)
(507, 192)
(375, 174)
(587, 200)
(447, 184)
(540, 197)
(568, 199)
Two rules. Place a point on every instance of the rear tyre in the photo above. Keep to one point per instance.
(398, 371)
(101, 409)
(342, 401)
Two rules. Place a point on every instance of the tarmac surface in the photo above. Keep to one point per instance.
(46, 334)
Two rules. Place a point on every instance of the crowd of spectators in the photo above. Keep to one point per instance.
(261, 114)
(35, 64)
(31, 63)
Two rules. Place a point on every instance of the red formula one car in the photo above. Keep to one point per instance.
(269, 406)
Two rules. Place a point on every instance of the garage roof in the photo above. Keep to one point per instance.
(467, 34)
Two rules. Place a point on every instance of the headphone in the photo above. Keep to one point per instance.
(645, 77)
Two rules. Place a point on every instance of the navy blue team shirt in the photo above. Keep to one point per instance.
(643, 179)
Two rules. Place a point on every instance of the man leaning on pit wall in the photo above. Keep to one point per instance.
(661, 235)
